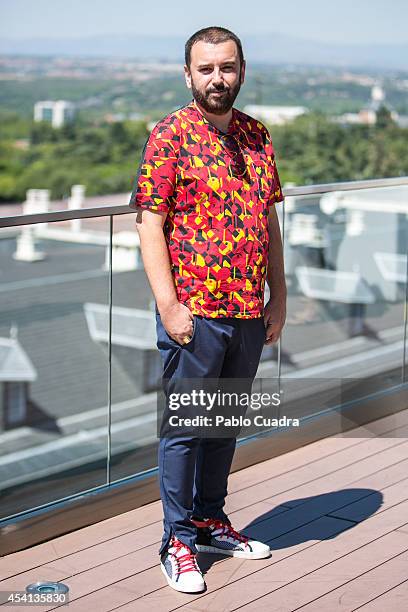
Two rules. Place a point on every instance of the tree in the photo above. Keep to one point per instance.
(384, 118)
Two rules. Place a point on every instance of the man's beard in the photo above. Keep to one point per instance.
(217, 105)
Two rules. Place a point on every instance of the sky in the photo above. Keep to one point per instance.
(348, 21)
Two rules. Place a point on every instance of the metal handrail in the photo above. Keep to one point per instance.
(105, 211)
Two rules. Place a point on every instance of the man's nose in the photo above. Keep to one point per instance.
(218, 77)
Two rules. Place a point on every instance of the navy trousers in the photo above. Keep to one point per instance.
(193, 471)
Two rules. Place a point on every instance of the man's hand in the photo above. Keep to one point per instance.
(178, 321)
(275, 309)
(274, 318)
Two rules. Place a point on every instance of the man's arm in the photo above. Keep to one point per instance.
(275, 309)
(152, 197)
(176, 317)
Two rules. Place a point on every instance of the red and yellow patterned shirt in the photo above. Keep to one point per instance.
(217, 219)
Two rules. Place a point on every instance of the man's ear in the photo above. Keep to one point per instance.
(187, 76)
(243, 71)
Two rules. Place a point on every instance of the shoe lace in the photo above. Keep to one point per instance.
(228, 530)
(185, 562)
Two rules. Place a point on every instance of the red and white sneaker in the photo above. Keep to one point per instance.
(214, 536)
(179, 565)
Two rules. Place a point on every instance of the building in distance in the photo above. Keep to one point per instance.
(277, 115)
(56, 112)
(368, 114)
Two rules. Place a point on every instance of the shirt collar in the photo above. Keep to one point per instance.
(232, 127)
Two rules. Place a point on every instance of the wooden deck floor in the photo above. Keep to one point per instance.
(335, 514)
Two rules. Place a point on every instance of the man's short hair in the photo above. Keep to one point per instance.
(214, 35)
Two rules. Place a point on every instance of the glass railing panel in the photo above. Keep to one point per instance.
(345, 261)
(136, 365)
(405, 334)
(53, 366)
(346, 267)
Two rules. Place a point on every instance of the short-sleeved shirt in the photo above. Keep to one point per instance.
(216, 226)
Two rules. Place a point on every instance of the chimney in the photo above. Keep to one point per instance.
(74, 202)
(37, 202)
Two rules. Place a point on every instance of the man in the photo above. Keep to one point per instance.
(209, 235)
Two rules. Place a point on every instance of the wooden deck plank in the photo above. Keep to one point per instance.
(392, 494)
(69, 568)
(151, 583)
(371, 486)
(121, 561)
(288, 463)
(252, 514)
(390, 426)
(286, 595)
(395, 599)
(244, 587)
(336, 574)
(232, 571)
(98, 599)
(310, 475)
(374, 472)
(290, 493)
(98, 576)
(321, 448)
(81, 539)
(323, 505)
(99, 572)
(152, 513)
(366, 586)
(130, 542)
